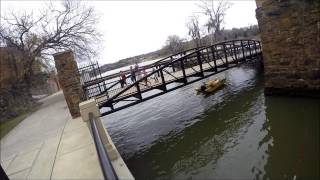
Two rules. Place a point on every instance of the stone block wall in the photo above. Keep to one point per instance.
(290, 35)
(14, 96)
(69, 80)
(11, 66)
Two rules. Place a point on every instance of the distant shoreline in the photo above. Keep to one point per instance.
(250, 32)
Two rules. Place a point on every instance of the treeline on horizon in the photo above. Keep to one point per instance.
(250, 32)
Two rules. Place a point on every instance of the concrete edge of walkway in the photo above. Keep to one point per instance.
(118, 164)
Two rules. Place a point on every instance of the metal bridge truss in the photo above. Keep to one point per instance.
(180, 69)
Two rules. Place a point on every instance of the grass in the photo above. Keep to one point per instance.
(8, 125)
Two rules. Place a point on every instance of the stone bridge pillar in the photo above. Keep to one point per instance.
(69, 79)
(290, 36)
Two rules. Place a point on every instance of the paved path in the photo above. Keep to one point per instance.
(49, 144)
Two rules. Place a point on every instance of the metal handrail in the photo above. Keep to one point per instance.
(3, 174)
(157, 63)
(220, 49)
(170, 63)
(104, 160)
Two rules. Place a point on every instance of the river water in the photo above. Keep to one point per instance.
(237, 133)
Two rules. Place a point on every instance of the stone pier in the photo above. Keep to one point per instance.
(69, 79)
(290, 36)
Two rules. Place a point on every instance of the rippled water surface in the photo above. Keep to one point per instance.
(236, 133)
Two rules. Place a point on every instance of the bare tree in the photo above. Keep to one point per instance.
(174, 43)
(215, 13)
(70, 27)
(194, 30)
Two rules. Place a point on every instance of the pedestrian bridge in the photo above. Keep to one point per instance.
(171, 73)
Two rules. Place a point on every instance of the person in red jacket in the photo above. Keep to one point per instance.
(123, 79)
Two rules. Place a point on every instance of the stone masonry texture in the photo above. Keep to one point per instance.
(14, 98)
(290, 35)
(69, 79)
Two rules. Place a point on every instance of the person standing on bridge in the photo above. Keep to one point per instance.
(155, 75)
(123, 79)
(133, 75)
(145, 74)
(136, 69)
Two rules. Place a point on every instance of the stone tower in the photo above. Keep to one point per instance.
(69, 80)
(290, 35)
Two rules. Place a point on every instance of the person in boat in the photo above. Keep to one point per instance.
(133, 75)
(203, 86)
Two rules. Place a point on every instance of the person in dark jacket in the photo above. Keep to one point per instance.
(123, 79)
(133, 75)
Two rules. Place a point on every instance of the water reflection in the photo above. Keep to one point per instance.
(236, 133)
(293, 126)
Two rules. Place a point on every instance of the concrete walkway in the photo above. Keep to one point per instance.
(49, 144)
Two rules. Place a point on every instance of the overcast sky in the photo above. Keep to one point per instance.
(131, 28)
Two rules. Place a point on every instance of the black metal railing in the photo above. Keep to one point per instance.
(97, 86)
(104, 160)
(89, 72)
(3, 174)
(202, 63)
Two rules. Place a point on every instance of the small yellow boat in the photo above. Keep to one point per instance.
(211, 86)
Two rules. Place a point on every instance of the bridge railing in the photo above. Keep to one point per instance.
(104, 160)
(89, 72)
(106, 88)
(195, 64)
(103, 85)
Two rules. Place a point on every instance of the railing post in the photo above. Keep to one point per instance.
(3, 174)
(138, 91)
(200, 63)
(92, 69)
(243, 54)
(235, 51)
(99, 69)
(86, 93)
(214, 58)
(250, 49)
(260, 48)
(255, 48)
(106, 88)
(90, 106)
(173, 69)
(164, 87)
(100, 91)
(183, 71)
(225, 54)
(95, 76)
(157, 67)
